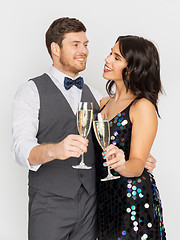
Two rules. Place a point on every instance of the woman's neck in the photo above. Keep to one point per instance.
(122, 94)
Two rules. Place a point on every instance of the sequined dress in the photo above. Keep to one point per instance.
(128, 208)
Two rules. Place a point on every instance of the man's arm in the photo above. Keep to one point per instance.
(25, 123)
(25, 146)
(71, 146)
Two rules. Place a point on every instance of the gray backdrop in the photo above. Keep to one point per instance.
(24, 55)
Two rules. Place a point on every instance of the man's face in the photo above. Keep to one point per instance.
(73, 54)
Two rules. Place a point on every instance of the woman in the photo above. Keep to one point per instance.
(129, 207)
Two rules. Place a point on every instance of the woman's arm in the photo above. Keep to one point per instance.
(144, 128)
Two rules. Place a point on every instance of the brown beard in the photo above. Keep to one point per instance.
(68, 67)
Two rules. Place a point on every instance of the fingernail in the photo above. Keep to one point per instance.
(123, 152)
(104, 157)
(105, 164)
(105, 152)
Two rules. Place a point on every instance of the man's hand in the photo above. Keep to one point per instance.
(71, 146)
(150, 163)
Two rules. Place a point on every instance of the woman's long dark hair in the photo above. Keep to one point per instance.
(142, 74)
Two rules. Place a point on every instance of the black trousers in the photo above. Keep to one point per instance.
(52, 217)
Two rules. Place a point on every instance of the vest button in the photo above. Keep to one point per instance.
(81, 175)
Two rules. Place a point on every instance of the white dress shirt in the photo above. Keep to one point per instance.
(26, 110)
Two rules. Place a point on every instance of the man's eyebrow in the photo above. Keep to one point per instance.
(76, 41)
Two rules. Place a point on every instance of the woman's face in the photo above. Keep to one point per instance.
(115, 64)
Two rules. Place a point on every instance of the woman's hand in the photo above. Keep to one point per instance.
(115, 157)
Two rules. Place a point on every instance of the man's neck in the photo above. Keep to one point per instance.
(69, 74)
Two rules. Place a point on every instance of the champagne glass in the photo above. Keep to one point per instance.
(102, 132)
(84, 122)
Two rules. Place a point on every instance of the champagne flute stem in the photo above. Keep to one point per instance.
(82, 159)
(109, 171)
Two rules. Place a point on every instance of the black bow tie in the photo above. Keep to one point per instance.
(68, 83)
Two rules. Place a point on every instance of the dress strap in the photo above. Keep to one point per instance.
(124, 109)
(133, 102)
(104, 105)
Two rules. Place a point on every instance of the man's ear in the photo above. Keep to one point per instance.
(55, 49)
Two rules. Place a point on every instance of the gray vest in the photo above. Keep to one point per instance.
(57, 121)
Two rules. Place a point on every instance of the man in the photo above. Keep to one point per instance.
(62, 200)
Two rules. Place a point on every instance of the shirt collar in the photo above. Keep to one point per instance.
(58, 75)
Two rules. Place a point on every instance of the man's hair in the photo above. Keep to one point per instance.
(59, 28)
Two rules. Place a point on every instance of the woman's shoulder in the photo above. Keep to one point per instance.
(143, 107)
(142, 103)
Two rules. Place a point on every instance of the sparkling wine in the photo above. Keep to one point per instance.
(84, 121)
(101, 129)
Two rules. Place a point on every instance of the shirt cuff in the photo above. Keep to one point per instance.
(31, 167)
(22, 157)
